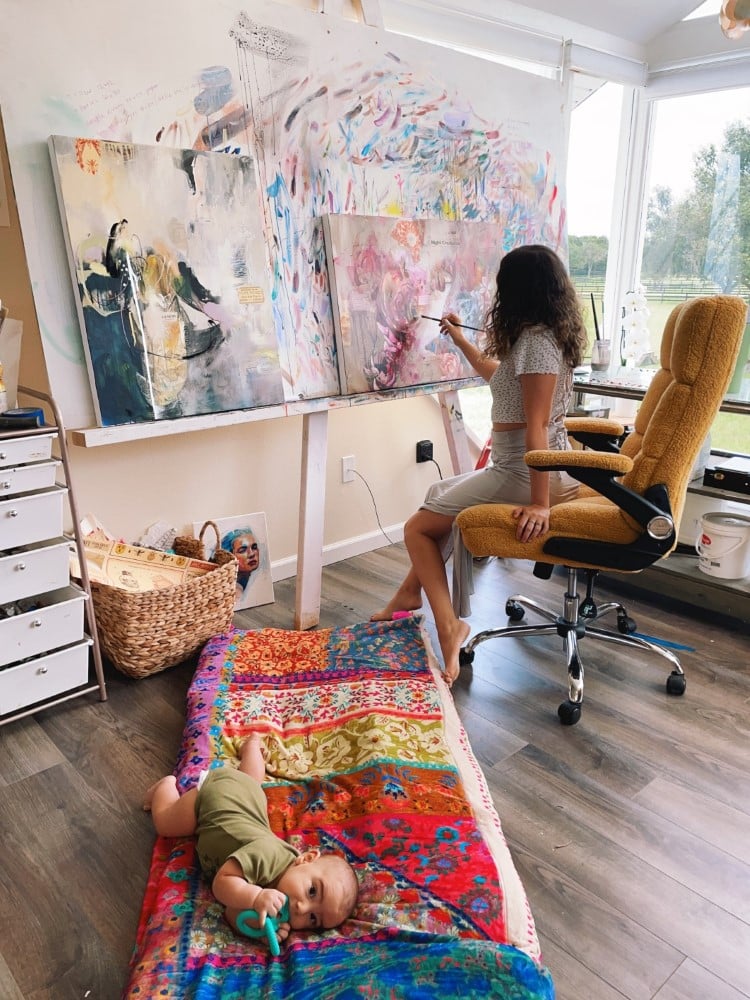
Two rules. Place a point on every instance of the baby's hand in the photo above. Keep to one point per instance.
(268, 902)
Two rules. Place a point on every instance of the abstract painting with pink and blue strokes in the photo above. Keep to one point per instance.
(391, 279)
(391, 140)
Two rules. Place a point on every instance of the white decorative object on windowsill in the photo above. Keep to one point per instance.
(635, 342)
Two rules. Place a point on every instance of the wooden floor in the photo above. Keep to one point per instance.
(630, 830)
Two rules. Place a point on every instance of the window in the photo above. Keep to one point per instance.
(592, 156)
(697, 220)
(592, 162)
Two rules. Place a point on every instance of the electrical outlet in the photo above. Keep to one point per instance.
(348, 466)
(424, 451)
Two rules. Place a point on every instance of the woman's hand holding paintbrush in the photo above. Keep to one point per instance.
(451, 327)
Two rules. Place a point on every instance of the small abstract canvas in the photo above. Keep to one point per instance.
(171, 279)
(386, 276)
(246, 538)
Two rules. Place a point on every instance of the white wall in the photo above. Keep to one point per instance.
(256, 467)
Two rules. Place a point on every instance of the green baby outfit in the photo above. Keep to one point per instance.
(232, 822)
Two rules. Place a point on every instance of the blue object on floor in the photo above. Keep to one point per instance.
(664, 642)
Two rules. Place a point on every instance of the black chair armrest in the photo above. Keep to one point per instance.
(596, 432)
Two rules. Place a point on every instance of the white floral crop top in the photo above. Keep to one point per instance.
(536, 352)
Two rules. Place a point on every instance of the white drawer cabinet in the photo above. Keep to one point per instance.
(47, 625)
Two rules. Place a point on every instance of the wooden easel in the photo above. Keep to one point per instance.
(371, 13)
(312, 498)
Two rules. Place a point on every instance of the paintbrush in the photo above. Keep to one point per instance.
(463, 326)
(596, 321)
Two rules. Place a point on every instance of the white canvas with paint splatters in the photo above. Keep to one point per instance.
(173, 293)
(340, 118)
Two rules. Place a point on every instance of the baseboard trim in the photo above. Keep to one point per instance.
(282, 569)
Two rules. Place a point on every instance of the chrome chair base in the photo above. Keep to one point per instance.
(575, 624)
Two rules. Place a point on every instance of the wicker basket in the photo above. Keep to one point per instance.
(143, 632)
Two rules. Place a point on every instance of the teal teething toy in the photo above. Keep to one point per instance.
(268, 929)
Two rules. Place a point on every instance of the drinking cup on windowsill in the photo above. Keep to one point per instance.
(601, 355)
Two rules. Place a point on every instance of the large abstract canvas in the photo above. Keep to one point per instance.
(338, 117)
(171, 278)
(391, 280)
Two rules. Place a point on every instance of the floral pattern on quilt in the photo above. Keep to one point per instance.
(351, 725)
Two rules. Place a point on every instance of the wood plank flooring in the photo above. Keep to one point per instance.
(630, 830)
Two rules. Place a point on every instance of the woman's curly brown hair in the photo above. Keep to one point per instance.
(533, 289)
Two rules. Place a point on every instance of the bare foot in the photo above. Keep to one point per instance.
(402, 600)
(149, 796)
(450, 646)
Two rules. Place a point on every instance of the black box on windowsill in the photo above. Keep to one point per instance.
(733, 474)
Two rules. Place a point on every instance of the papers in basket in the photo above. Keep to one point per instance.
(131, 567)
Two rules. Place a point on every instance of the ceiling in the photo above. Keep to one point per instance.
(633, 22)
(638, 21)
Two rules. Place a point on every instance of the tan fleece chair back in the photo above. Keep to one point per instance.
(698, 352)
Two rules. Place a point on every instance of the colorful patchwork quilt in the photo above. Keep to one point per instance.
(365, 757)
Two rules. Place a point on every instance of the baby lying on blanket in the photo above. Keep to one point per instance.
(250, 867)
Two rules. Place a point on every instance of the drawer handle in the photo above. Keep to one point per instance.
(12, 513)
(42, 670)
(21, 567)
(37, 623)
(3, 454)
(6, 484)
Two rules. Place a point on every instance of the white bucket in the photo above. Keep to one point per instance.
(723, 545)
(696, 505)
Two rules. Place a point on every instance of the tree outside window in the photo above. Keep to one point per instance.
(697, 224)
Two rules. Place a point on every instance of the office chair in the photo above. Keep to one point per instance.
(626, 514)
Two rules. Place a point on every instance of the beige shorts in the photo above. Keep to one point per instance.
(505, 480)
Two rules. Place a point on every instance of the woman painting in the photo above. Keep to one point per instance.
(535, 338)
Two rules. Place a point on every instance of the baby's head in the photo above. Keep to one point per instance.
(322, 891)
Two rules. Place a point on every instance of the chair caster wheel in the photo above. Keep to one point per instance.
(626, 625)
(587, 609)
(676, 683)
(514, 611)
(465, 659)
(569, 712)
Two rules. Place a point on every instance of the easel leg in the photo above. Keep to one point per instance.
(455, 431)
(311, 511)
